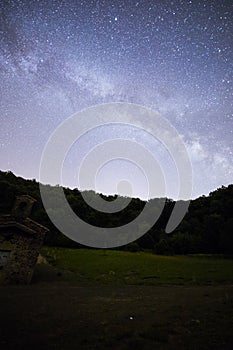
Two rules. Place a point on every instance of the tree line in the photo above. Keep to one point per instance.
(206, 228)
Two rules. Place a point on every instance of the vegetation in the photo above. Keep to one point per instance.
(206, 228)
(60, 316)
(87, 266)
(102, 299)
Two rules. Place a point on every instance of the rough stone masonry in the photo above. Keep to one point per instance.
(20, 241)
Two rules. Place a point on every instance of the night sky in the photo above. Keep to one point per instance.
(58, 57)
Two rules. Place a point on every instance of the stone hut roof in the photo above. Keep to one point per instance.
(26, 225)
(19, 217)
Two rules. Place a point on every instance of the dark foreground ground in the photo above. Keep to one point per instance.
(61, 316)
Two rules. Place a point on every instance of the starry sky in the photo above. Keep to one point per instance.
(58, 57)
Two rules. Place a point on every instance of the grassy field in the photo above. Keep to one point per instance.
(125, 268)
(101, 299)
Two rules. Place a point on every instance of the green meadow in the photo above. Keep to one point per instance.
(90, 266)
(105, 299)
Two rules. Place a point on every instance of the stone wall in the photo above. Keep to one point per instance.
(20, 241)
(24, 250)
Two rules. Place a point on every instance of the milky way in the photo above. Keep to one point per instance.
(58, 57)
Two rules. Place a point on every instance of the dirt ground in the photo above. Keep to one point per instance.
(61, 316)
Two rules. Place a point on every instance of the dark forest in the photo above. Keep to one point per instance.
(207, 227)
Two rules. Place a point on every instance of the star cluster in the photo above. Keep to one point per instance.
(176, 57)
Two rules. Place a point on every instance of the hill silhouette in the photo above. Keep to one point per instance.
(206, 228)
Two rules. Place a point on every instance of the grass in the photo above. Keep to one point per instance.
(66, 317)
(141, 268)
(103, 299)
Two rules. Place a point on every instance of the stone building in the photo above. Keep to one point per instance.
(20, 241)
